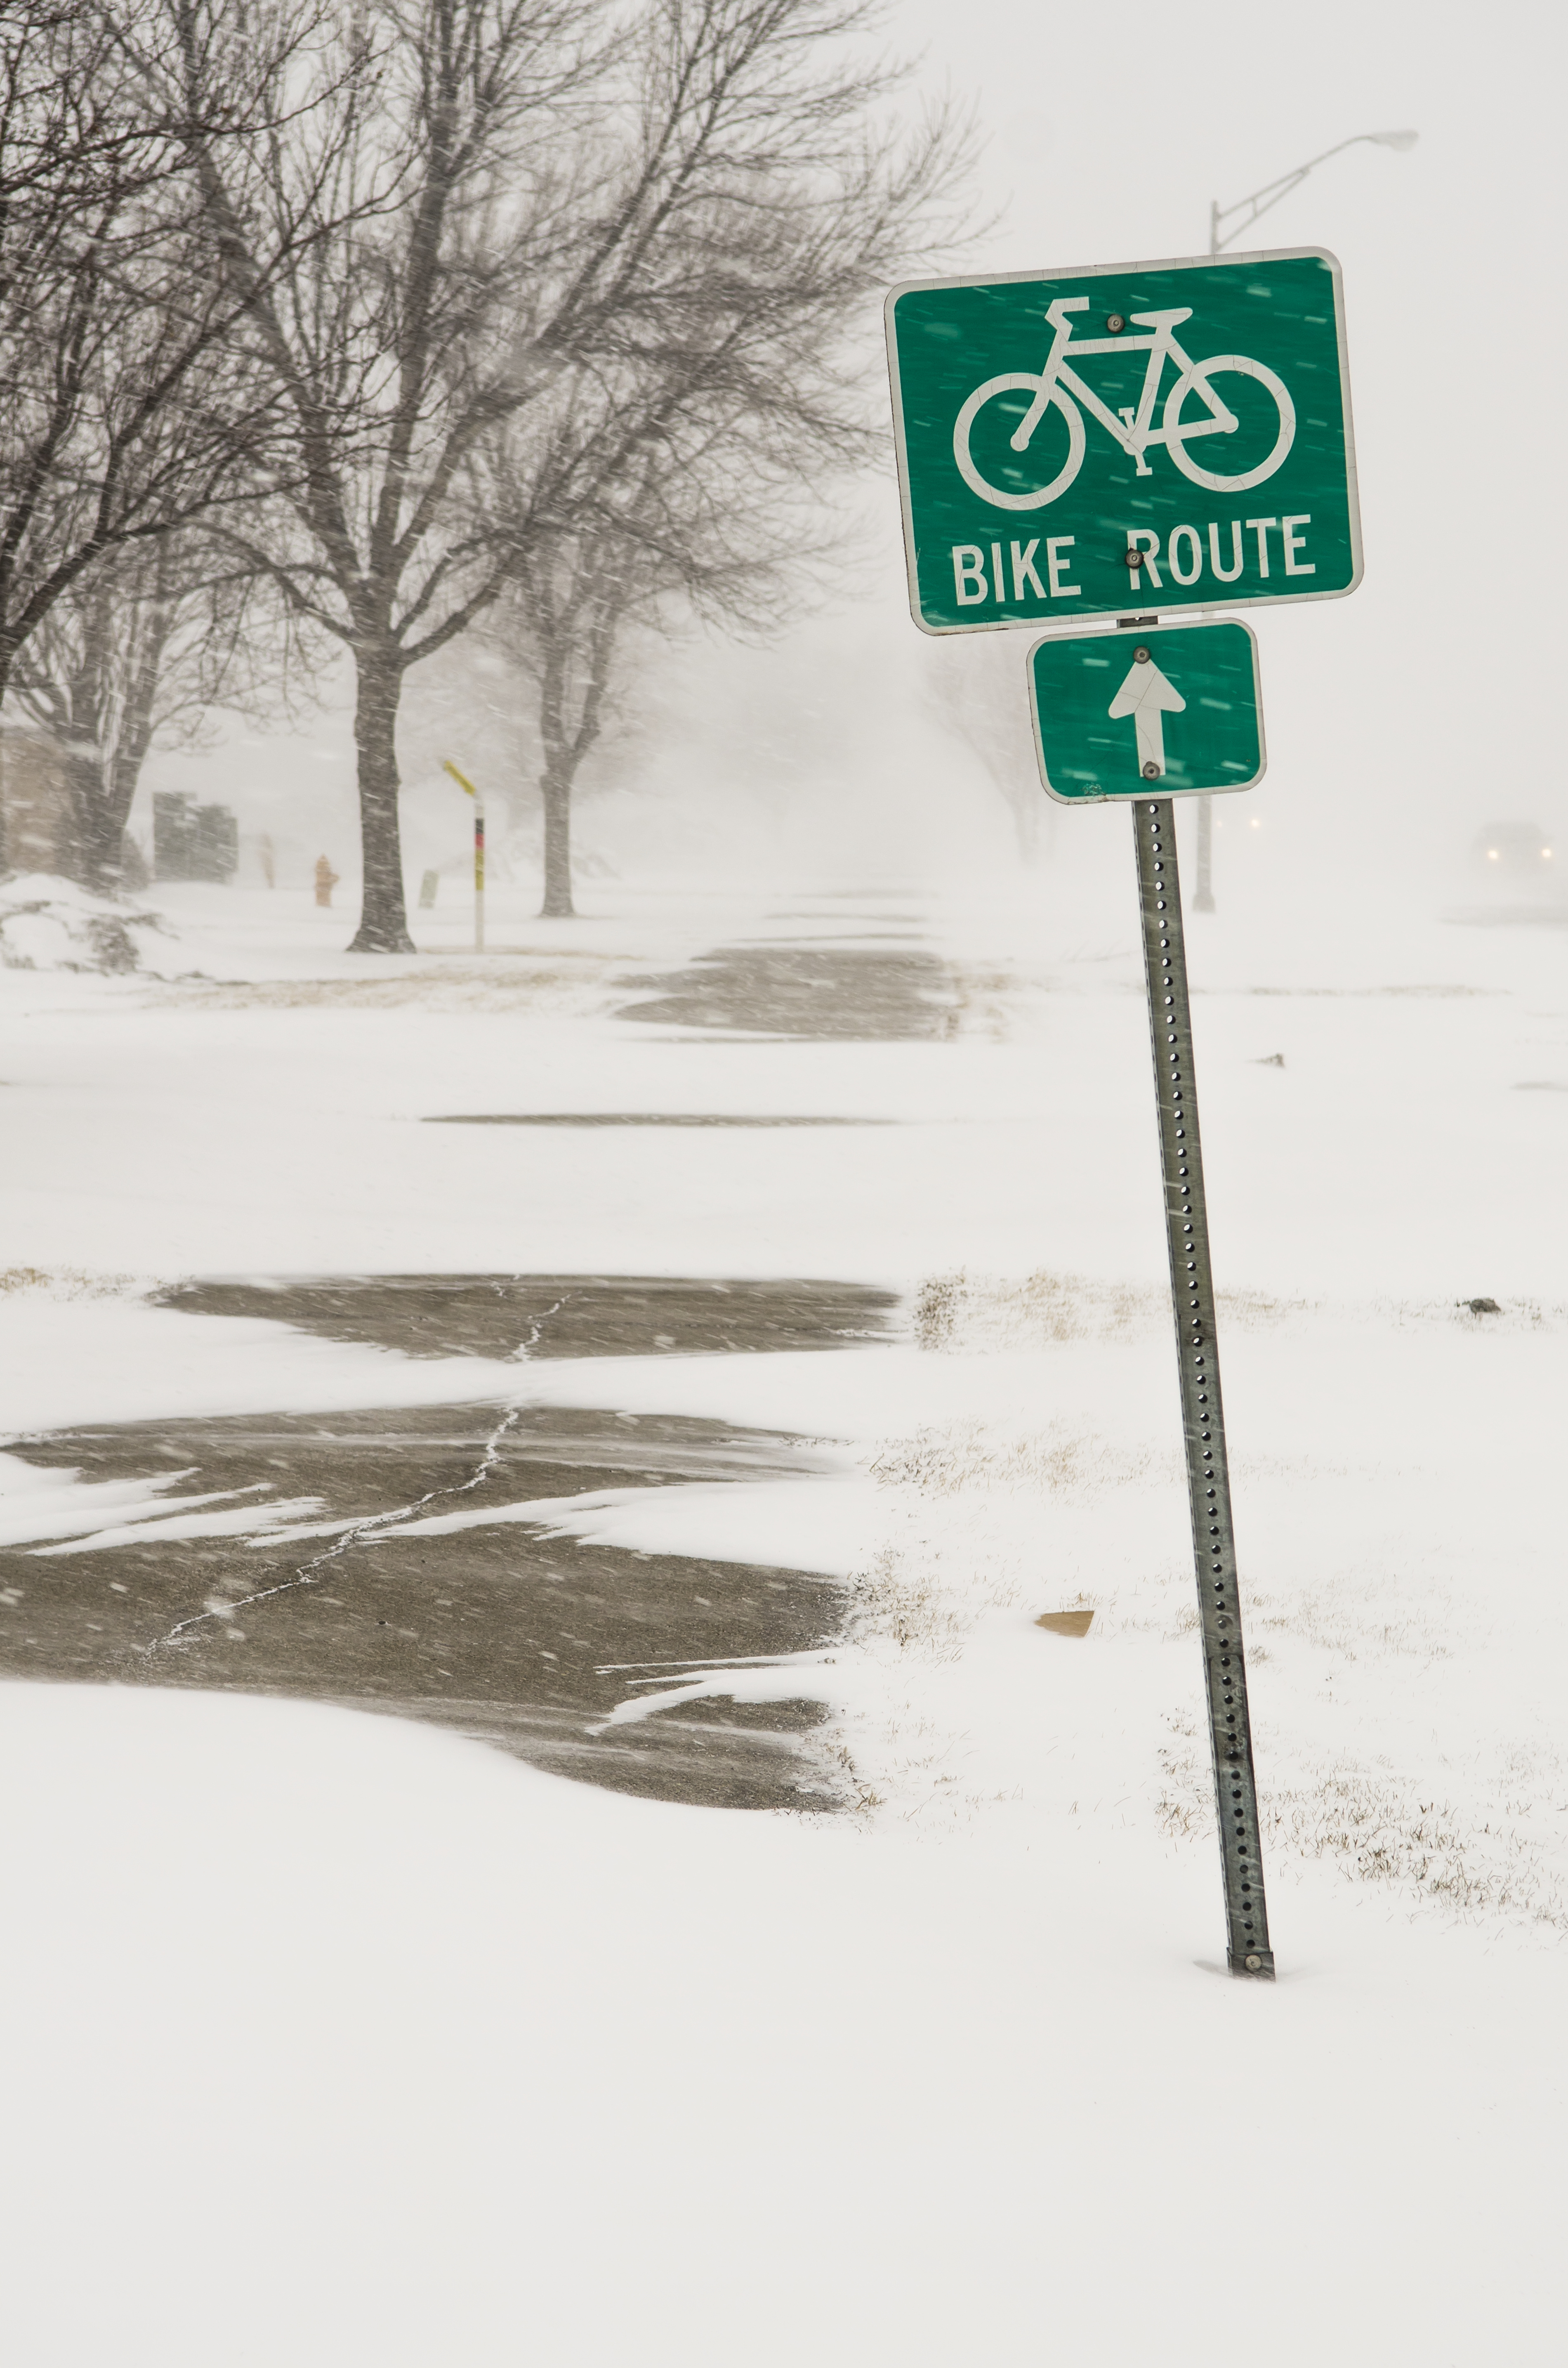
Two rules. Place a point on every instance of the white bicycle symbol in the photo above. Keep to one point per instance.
(1058, 383)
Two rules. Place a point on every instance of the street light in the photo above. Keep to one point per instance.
(1262, 199)
(1249, 209)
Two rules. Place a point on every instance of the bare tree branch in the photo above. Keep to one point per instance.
(130, 401)
(562, 241)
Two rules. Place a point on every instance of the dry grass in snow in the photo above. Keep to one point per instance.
(1389, 1697)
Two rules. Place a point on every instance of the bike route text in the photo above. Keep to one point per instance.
(1243, 551)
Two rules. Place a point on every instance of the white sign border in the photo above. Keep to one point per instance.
(1099, 271)
(1131, 633)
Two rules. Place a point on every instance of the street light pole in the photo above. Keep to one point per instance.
(1250, 208)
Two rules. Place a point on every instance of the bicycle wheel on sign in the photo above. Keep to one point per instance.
(1256, 423)
(997, 443)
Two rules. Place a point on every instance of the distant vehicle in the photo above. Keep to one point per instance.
(1515, 850)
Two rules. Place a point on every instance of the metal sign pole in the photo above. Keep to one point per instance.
(467, 787)
(1208, 1477)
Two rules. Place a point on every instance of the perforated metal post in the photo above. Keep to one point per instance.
(1208, 1478)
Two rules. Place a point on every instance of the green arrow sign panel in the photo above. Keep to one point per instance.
(1173, 705)
(1145, 436)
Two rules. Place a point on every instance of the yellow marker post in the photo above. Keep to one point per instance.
(464, 783)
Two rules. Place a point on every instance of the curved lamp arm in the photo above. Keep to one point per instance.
(1262, 199)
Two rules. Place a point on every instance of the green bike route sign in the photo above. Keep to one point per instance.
(1175, 706)
(1137, 435)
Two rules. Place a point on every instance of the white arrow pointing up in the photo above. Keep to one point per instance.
(1146, 696)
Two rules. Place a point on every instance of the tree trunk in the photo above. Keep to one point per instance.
(383, 918)
(556, 790)
(93, 858)
(100, 824)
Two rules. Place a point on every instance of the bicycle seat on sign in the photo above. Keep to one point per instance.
(1161, 320)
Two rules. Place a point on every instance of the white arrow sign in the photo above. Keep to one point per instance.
(1146, 696)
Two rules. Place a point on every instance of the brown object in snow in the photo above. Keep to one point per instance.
(1065, 1623)
(327, 880)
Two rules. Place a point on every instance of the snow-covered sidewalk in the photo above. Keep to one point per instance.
(333, 2039)
(337, 2038)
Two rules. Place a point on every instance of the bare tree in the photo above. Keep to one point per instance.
(706, 527)
(712, 485)
(388, 337)
(546, 209)
(577, 594)
(974, 683)
(125, 397)
(139, 650)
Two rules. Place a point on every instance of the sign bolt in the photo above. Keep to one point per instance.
(1151, 771)
(1133, 558)
(1141, 656)
(1115, 323)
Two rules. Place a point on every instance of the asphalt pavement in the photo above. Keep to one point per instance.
(865, 994)
(502, 1632)
(521, 1639)
(531, 1315)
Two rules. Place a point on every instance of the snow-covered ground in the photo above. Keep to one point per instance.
(336, 2040)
